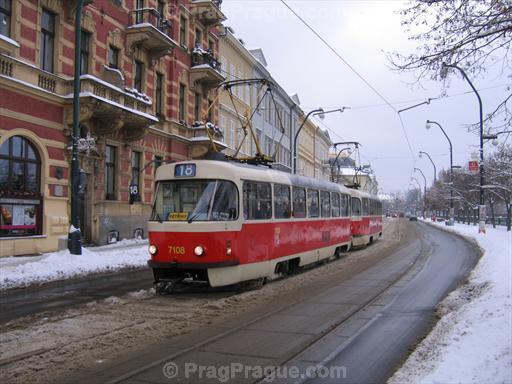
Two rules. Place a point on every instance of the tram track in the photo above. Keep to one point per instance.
(417, 261)
(146, 321)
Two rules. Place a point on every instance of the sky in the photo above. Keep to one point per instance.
(362, 32)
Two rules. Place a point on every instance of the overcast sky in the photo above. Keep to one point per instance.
(361, 32)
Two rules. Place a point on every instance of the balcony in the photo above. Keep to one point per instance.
(205, 70)
(207, 12)
(110, 110)
(149, 30)
(201, 144)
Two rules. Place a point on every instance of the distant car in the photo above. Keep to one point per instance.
(413, 218)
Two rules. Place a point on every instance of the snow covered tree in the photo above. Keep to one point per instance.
(472, 34)
(499, 180)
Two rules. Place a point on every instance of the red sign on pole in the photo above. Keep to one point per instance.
(473, 166)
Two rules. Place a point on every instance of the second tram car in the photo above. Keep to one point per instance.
(222, 223)
(366, 218)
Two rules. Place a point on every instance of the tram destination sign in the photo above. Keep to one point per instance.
(185, 170)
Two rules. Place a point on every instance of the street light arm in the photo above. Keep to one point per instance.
(444, 133)
(422, 174)
(433, 164)
(318, 111)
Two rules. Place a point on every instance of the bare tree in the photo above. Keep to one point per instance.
(472, 34)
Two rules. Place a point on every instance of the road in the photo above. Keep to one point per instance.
(358, 329)
(61, 295)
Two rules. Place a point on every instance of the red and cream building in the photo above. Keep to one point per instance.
(148, 86)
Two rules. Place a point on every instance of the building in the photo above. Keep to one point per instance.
(313, 146)
(236, 106)
(276, 118)
(148, 89)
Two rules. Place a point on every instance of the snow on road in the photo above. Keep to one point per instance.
(18, 272)
(472, 342)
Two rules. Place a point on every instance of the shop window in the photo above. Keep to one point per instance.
(20, 197)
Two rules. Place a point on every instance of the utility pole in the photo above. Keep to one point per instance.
(74, 234)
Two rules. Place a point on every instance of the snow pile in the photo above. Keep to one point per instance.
(18, 272)
(472, 342)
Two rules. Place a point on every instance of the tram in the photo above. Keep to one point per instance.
(224, 222)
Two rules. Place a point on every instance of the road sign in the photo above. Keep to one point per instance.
(473, 166)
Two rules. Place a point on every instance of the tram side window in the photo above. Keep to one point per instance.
(282, 206)
(257, 201)
(366, 207)
(325, 199)
(312, 203)
(299, 202)
(356, 206)
(372, 207)
(335, 202)
(345, 205)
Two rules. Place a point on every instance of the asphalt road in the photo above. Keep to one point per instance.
(356, 330)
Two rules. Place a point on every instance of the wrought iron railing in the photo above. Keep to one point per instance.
(153, 17)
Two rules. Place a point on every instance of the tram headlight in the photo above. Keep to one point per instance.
(152, 250)
(199, 251)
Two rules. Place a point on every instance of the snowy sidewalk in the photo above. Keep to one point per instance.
(472, 342)
(16, 272)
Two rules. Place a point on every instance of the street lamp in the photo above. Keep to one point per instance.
(452, 210)
(424, 190)
(74, 234)
(435, 171)
(321, 113)
(494, 137)
(338, 155)
(481, 208)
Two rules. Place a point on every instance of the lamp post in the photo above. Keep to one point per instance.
(318, 111)
(452, 210)
(481, 207)
(435, 171)
(424, 190)
(338, 155)
(74, 234)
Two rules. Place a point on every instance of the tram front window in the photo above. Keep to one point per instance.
(195, 200)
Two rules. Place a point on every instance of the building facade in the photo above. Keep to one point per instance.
(313, 145)
(148, 95)
(276, 117)
(236, 107)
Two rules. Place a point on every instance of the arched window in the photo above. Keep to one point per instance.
(20, 191)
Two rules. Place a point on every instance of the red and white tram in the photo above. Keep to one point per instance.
(222, 222)
(366, 218)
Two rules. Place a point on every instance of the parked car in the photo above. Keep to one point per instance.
(413, 218)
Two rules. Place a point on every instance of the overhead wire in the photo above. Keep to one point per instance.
(361, 77)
